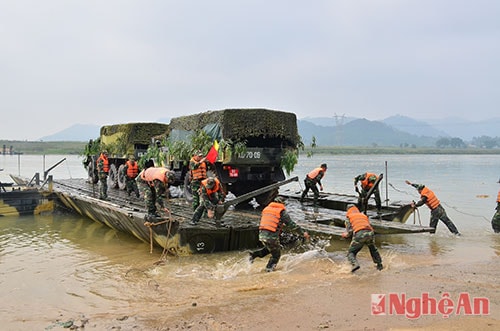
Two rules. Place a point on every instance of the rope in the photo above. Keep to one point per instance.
(416, 212)
(150, 225)
(400, 191)
(461, 212)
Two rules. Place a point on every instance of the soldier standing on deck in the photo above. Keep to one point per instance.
(367, 180)
(198, 171)
(103, 170)
(131, 170)
(312, 179)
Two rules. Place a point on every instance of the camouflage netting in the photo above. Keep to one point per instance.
(135, 133)
(239, 124)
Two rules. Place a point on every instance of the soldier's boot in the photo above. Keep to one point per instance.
(380, 266)
(355, 266)
(271, 265)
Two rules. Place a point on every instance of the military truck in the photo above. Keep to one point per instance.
(269, 137)
(267, 140)
(120, 141)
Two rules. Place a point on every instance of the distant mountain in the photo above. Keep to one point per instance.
(458, 127)
(415, 127)
(77, 132)
(360, 132)
(348, 131)
(329, 121)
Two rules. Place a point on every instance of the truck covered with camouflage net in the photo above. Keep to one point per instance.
(120, 141)
(255, 145)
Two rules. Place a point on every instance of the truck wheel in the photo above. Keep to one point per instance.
(122, 177)
(113, 177)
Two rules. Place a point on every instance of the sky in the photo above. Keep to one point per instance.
(117, 61)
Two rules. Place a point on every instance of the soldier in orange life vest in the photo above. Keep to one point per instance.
(367, 180)
(198, 171)
(359, 228)
(437, 211)
(312, 179)
(131, 170)
(273, 218)
(154, 182)
(495, 221)
(103, 170)
(211, 195)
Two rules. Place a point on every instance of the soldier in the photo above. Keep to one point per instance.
(359, 228)
(131, 170)
(273, 218)
(103, 170)
(154, 182)
(198, 170)
(367, 180)
(437, 211)
(312, 179)
(495, 221)
(211, 194)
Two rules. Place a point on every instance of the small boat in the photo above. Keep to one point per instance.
(23, 198)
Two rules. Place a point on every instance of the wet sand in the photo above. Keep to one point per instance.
(314, 294)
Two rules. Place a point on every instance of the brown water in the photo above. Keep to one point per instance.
(59, 268)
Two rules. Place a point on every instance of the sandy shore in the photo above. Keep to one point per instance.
(326, 297)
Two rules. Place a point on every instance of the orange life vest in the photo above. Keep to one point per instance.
(200, 172)
(359, 221)
(314, 173)
(365, 183)
(213, 189)
(132, 169)
(432, 201)
(498, 196)
(150, 174)
(105, 163)
(271, 216)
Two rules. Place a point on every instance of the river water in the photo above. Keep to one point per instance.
(58, 267)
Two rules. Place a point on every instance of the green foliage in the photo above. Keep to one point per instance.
(155, 152)
(289, 160)
(183, 150)
(313, 145)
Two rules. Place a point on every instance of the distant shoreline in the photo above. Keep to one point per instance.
(77, 148)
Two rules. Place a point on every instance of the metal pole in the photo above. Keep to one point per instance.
(386, 186)
(19, 164)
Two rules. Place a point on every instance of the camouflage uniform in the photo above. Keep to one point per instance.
(271, 241)
(438, 213)
(208, 202)
(364, 192)
(310, 184)
(495, 221)
(196, 162)
(103, 179)
(130, 182)
(359, 239)
(154, 193)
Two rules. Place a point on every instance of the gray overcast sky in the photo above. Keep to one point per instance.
(109, 61)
